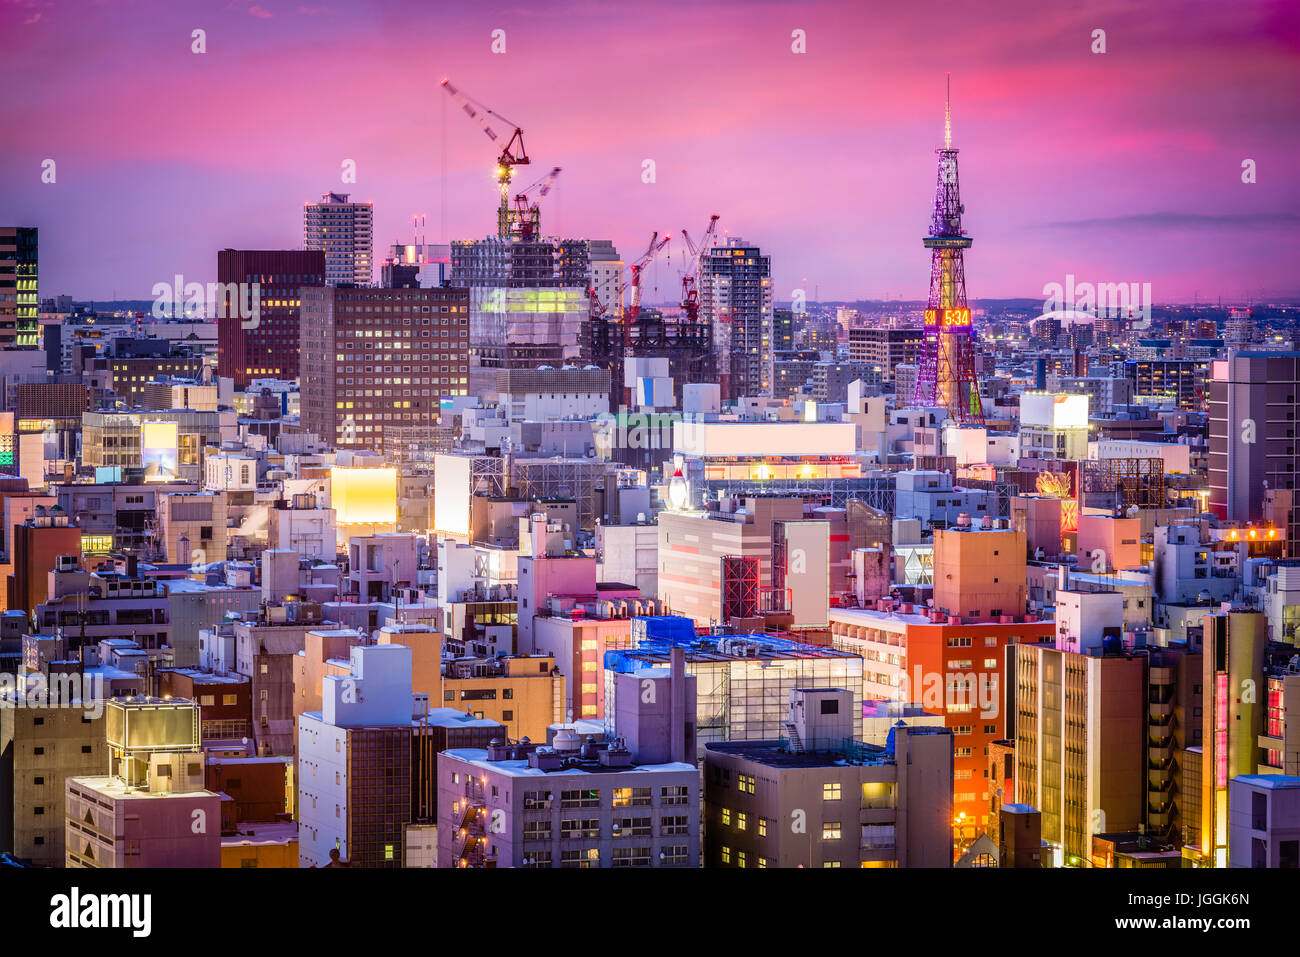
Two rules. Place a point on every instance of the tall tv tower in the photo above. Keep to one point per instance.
(946, 377)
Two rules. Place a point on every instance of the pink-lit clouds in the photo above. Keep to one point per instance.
(1123, 166)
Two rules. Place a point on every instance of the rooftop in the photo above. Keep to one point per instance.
(521, 768)
(117, 789)
(207, 677)
(774, 754)
(253, 833)
(1274, 782)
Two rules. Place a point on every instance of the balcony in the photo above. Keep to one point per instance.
(1160, 713)
(1157, 819)
(1162, 676)
(878, 838)
(876, 814)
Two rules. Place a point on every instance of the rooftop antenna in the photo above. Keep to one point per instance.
(947, 116)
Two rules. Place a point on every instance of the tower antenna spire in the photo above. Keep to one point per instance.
(947, 116)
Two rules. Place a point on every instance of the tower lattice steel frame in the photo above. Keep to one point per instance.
(946, 377)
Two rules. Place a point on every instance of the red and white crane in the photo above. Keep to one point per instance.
(506, 162)
(638, 267)
(690, 288)
(527, 219)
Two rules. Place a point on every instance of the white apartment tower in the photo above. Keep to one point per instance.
(345, 231)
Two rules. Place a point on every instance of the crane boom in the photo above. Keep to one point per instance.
(656, 244)
(690, 288)
(527, 221)
(506, 161)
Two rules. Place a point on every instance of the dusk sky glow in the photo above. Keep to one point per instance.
(1115, 167)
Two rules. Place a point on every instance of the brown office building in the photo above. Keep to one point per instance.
(380, 358)
(37, 544)
(885, 348)
(270, 348)
(821, 799)
(1253, 403)
(132, 374)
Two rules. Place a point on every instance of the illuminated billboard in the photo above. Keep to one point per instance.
(948, 318)
(158, 444)
(807, 572)
(750, 439)
(363, 496)
(1054, 410)
(452, 489)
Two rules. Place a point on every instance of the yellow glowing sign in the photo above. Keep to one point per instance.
(364, 496)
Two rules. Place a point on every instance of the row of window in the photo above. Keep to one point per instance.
(589, 828)
(674, 854)
(677, 794)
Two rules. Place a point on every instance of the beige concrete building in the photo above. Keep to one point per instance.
(39, 749)
(326, 651)
(820, 798)
(692, 545)
(1080, 746)
(524, 692)
(198, 518)
(979, 573)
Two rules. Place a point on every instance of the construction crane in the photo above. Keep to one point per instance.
(506, 162)
(690, 289)
(528, 219)
(634, 300)
(638, 267)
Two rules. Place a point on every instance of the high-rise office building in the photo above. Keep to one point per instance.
(1079, 744)
(607, 276)
(248, 349)
(377, 358)
(19, 319)
(345, 232)
(783, 327)
(1177, 378)
(1235, 706)
(736, 299)
(885, 348)
(1253, 404)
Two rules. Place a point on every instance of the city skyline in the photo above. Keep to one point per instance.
(1123, 166)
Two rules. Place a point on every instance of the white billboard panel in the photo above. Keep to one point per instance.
(807, 572)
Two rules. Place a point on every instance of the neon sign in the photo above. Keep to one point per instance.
(951, 318)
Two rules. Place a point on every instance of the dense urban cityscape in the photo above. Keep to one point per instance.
(492, 546)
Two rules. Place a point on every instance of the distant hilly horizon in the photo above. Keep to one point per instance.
(146, 305)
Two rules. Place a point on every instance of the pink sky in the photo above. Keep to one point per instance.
(1116, 167)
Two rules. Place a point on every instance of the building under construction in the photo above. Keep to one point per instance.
(1128, 481)
(528, 301)
(688, 347)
